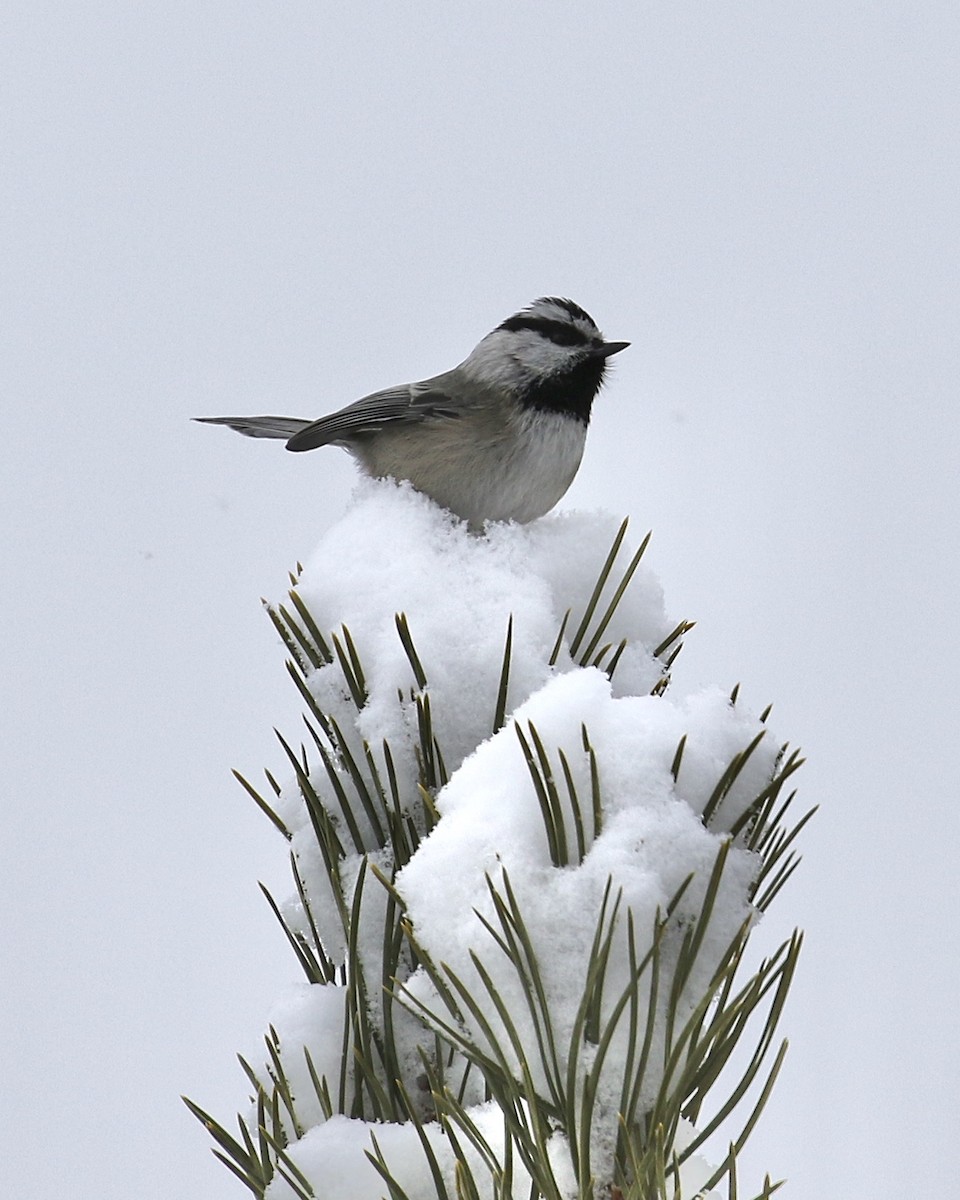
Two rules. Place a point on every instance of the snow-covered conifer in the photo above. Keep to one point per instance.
(525, 874)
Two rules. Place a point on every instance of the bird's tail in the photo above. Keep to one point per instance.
(259, 427)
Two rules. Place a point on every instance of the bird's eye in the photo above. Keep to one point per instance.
(561, 333)
(566, 335)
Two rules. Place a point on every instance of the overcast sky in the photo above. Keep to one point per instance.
(214, 207)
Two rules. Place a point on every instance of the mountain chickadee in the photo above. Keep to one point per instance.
(498, 438)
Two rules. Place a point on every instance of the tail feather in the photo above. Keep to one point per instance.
(259, 427)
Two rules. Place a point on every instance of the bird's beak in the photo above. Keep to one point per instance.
(609, 348)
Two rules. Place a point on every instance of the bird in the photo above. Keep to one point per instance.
(498, 438)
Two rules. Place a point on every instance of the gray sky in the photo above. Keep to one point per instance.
(214, 207)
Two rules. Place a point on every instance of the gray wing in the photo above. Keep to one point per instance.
(259, 427)
(406, 405)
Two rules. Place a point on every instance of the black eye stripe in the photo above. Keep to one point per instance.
(558, 332)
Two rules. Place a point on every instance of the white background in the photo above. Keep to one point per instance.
(214, 207)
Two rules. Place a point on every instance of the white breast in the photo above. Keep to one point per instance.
(533, 477)
(481, 468)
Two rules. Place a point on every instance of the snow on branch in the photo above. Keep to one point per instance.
(525, 876)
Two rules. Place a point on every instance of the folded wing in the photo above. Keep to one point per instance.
(407, 405)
